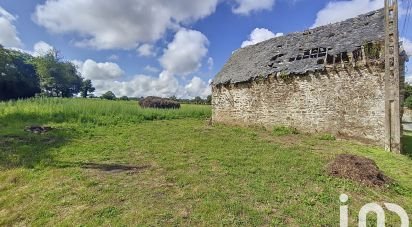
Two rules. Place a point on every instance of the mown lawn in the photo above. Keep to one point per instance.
(112, 163)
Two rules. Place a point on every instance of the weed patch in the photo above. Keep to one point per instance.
(284, 130)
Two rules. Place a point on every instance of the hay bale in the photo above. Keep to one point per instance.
(159, 103)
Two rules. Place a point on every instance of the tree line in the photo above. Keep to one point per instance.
(23, 76)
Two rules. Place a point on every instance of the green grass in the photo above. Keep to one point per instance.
(283, 131)
(173, 169)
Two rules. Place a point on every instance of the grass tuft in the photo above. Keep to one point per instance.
(327, 137)
(284, 130)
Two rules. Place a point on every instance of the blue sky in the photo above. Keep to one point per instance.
(162, 47)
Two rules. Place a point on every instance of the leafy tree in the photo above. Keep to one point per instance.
(57, 78)
(124, 98)
(87, 88)
(408, 102)
(198, 100)
(18, 77)
(408, 90)
(209, 99)
(109, 96)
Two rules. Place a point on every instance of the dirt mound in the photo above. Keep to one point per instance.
(358, 169)
(38, 129)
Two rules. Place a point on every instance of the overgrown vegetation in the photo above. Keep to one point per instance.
(329, 137)
(284, 130)
(112, 163)
(92, 111)
(373, 50)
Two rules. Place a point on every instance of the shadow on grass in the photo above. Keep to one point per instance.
(104, 167)
(19, 148)
(407, 143)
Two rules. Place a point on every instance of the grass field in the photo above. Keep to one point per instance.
(111, 163)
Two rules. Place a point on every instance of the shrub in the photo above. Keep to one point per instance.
(408, 102)
(326, 137)
(283, 130)
(159, 103)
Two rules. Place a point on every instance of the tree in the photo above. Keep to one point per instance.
(209, 99)
(408, 90)
(408, 102)
(124, 98)
(18, 77)
(87, 88)
(57, 78)
(198, 100)
(109, 96)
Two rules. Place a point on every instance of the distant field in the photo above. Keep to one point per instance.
(112, 163)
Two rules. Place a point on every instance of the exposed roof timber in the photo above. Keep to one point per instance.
(299, 53)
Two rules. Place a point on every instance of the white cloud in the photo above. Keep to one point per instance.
(99, 71)
(165, 85)
(185, 53)
(210, 63)
(146, 50)
(259, 35)
(41, 48)
(198, 87)
(151, 69)
(407, 46)
(245, 7)
(113, 57)
(336, 11)
(119, 24)
(8, 32)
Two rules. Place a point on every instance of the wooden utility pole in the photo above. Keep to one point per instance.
(393, 127)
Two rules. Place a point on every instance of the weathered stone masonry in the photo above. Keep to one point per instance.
(343, 102)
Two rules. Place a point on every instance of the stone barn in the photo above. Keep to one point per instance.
(329, 79)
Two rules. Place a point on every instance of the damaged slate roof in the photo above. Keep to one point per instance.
(285, 54)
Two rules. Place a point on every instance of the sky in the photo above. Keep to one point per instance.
(165, 47)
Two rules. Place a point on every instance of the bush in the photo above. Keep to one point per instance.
(159, 103)
(408, 102)
(328, 137)
(283, 130)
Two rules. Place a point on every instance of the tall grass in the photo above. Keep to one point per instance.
(94, 111)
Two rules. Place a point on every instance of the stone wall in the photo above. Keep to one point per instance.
(345, 102)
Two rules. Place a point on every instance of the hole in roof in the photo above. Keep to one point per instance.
(279, 46)
(345, 57)
(276, 57)
(370, 14)
(321, 61)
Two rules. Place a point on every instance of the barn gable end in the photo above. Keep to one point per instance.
(330, 79)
